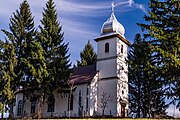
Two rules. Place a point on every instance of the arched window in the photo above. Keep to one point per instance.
(33, 106)
(20, 107)
(51, 103)
(121, 48)
(107, 47)
(80, 98)
(80, 104)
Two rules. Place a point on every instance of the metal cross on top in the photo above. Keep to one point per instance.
(113, 6)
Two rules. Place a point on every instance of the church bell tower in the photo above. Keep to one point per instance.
(112, 66)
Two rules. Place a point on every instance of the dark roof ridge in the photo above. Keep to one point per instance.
(83, 74)
(84, 69)
(85, 66)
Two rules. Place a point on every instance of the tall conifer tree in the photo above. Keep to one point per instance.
(56, 51)
(28, 53)
(88, 55)
(8, 87)
(146, 99)
(163, 30)
(55, 56)
(135, 76)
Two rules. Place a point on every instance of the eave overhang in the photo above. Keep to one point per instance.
(108, 36)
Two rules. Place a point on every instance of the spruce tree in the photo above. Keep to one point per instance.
(8, 83)
(30, 67)
(56, 50)
(88, 55)
(163, 31)
(146, 99)
(135, 76)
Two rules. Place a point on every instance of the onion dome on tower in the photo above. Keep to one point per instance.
(112, 25)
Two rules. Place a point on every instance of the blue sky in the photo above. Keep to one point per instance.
(82, 19)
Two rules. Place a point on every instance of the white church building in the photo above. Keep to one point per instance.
(99, 89)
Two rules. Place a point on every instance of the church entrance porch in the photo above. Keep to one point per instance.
(123, 110)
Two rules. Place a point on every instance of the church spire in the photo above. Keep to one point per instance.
(113, 6)
(112, 25)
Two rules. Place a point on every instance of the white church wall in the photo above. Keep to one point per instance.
(101, 48)
(122, 94)
(61, 103)
(107, 68)
(80, 110)
(122, 55)
(106, 64)
(19, 96)
(61, 106)
(122, 85)
(109, 87)
(110, 65)
(26, 106)
(93, 96)
(82, 89)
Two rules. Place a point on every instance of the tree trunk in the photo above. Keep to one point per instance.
(103, 111)
(138, 109)
(139, 91)
(11, 112)
(40, 107)
(39, 110)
